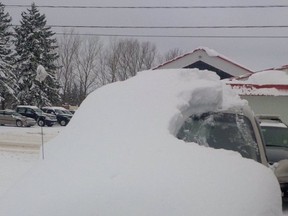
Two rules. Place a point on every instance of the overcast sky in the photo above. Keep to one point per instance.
(253, 53)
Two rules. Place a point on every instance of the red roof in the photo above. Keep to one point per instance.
(218, 56)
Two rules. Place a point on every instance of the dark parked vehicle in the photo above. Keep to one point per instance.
(37, 114)
(10, 117)
(63, 116)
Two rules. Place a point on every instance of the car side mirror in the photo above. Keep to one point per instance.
(281, 170)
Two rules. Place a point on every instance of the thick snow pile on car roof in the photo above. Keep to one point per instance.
(119, 156)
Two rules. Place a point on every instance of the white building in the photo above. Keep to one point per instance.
(205, 58)
(266, 92)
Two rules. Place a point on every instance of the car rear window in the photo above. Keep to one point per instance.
(228, 131)
(275, 136)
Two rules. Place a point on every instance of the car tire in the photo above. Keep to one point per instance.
(63, 122)
(41, 122)
(19, 123)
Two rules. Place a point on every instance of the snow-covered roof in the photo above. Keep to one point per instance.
(28, 106)
(119, 156)
(211, 53)
(55, 107)
(269, 82)
(283, 68)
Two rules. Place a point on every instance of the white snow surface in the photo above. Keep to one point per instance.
(262, 78)
(41, 73)
(209, 51)
(270, 77)
(119, 156)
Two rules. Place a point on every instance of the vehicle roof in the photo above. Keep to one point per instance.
(28, 106)
(272, 123)
(54, 107)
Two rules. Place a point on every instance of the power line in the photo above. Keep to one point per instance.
(170, 27)
(179, 36)
(152, 7)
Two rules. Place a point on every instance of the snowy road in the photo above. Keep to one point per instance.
(26, 139)
(19, 150)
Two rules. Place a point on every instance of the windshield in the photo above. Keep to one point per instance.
(38, 111)
(58, 111)
(275, 136)
(221, 131)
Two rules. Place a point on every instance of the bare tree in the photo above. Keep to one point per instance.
(124, 58)
(87, 65)
(68, 47)
(169, 55)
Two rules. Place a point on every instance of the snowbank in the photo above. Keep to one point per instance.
(119, 156)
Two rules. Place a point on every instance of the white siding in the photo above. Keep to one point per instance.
(274, 105)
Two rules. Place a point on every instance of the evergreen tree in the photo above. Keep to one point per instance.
(8, 84)
(35, 46)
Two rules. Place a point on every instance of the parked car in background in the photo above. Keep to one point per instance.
(10, 117)
(37, 114)
(275, 133)
(63, 115)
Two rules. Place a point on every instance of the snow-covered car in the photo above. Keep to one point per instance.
(235, 129)
(275, 133)
(10, 117)
(63, 115)
(37, 114)
(127, 160)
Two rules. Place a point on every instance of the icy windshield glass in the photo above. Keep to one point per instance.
(221, 131)
(38, 111)
(275, 136)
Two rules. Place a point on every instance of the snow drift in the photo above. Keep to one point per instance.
(119, 156)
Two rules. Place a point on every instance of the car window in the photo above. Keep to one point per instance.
(8, 113)
(50, 111)
(29, 111)
(21, 110)
(275, 136)
(38, 111)
(16, 114)
(59, 112)
(221, 131)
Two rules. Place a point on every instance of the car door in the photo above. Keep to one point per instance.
(2, 118)
(8, 118)
(30, 113)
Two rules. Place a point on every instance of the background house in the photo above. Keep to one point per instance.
(265, 91)
(205, 58)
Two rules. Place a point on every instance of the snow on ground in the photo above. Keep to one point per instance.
(119, 156)
(19, 151)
